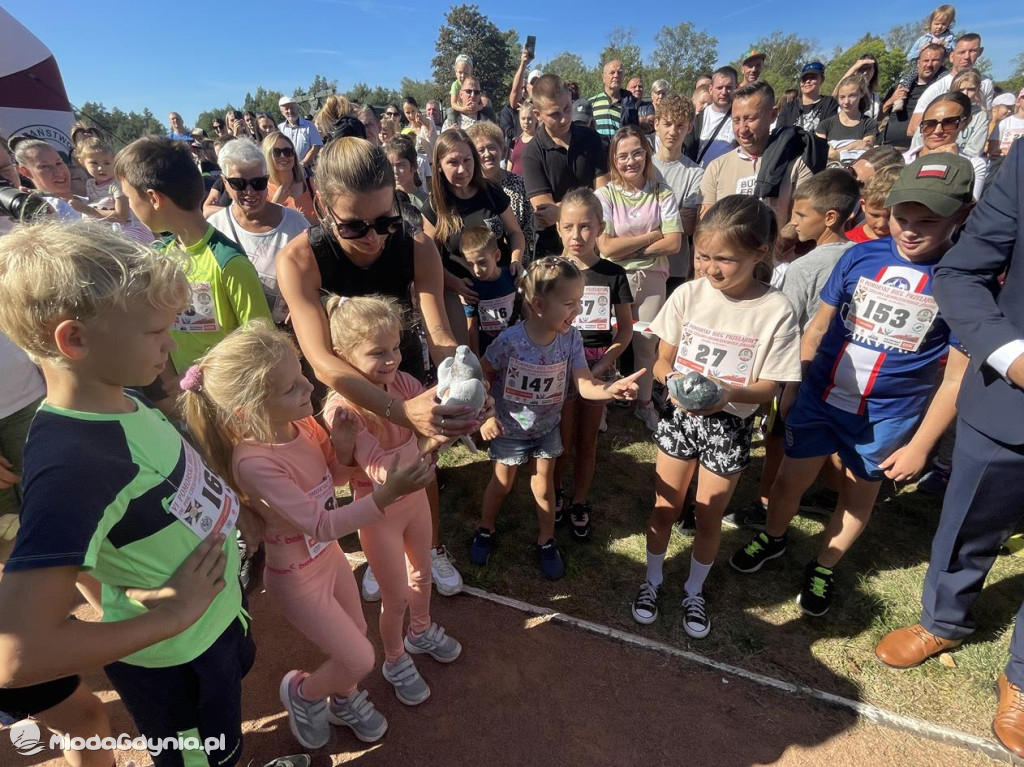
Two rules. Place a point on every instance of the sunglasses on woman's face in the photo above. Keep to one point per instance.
(283, 152)
(948, 123)
(391, 114)
(258, 184)
(356, 229)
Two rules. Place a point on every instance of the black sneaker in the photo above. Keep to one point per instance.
(820, 503)
(559, 507)
(752, 557)
(754, 516)
(579, 519)
(482, 546)
(645, 606)
(696, 622)
(551, 562)
(687, 523)
(816, 595)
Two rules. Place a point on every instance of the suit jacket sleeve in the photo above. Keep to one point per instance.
(982, 315)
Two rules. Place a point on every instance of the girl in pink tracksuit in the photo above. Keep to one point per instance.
(365, 333)
(248, 404)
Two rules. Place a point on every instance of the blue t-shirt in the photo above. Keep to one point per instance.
(881, 351)
(531, 381)
(496, 309)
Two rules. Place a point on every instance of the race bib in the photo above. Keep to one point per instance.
(726, 356)
(496, 312)
(529, 384)
(745, 186)
(323, 494)
(204, 503)
(890, 316)
(200, 316)
(596, 309)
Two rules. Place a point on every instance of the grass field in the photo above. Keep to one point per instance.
(756, 622)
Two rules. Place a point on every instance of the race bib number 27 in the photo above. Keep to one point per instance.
(717, 354)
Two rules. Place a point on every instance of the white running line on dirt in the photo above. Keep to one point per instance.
(864, 710)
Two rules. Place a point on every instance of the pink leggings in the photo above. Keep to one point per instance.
(323, 603)
(405, 532)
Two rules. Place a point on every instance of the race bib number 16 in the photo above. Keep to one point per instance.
(204, 503)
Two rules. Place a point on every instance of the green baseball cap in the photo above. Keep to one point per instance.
(942, 182)
(754, 53)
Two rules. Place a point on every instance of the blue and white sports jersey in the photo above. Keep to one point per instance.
(881, 351)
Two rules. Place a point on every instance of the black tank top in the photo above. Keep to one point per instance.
(390, 275)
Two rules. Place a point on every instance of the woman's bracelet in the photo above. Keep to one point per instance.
(387, 410)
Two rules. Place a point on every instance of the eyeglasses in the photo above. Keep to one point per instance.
(258, 184)
(392, 114)
(283, 152)
(218, 126)
(354, 230)
(637, 155)
(948, 123)
(471, 91)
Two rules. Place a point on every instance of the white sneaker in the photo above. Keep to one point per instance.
(370, 588)
(648, 415)
(447, 579)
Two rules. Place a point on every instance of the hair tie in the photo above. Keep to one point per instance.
(193, 379)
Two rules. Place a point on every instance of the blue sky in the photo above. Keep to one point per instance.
(193, 56)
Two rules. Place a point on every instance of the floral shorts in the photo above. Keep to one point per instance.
(721, 442)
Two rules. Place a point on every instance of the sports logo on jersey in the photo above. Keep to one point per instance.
(898, 282)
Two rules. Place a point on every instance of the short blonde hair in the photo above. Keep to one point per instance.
(353, 320)
(225, 402)
(92, 147)
(876, 190)
(52, 271)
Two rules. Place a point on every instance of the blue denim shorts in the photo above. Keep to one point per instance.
(516, 452)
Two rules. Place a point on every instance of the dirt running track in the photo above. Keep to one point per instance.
(527, 692)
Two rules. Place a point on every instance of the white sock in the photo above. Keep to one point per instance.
(654, 564)
(698, 574)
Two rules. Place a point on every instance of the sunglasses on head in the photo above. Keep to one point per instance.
(947, 123)
(258, 184)
(283, 152)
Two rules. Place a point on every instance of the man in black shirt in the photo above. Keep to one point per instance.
(810, 107)
(562, 156)
(899, 102)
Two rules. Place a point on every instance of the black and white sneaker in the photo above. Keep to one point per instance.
(645, 606)
(818, 590)
(686, 525)
(696, 622)
(579, 520)
(754, 516)
(559, 507)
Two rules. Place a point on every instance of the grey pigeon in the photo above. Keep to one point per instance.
(693, 391)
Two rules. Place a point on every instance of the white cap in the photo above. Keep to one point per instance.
(533, 75)
(1004, 100)
(285, 100)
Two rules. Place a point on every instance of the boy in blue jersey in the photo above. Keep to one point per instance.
(497, 306)
(870, 357)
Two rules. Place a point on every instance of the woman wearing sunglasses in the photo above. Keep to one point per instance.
(261, 227)
(288, 183)
(943, 121)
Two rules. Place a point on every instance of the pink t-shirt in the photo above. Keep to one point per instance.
(291, 485)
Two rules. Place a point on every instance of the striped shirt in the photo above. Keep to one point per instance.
(607, 113)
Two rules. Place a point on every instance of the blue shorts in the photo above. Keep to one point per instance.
(814, 428)
(516, 452)
(200, 699)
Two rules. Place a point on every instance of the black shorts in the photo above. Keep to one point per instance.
(721, 442)
(23, 702)
(200, 699)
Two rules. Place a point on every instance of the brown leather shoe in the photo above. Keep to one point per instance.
(1008, 724)
(912, 646)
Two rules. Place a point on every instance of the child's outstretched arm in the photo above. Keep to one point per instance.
(622, 389)
(38, 642)
(908, 461)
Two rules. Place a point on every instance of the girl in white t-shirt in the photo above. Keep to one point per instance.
(729, 325)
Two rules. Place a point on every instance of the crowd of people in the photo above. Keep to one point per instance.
(205, 337)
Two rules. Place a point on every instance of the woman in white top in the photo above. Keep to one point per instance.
(424, 130)
(259, 226)
(944, 120)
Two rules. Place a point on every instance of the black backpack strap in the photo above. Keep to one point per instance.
(714, 134)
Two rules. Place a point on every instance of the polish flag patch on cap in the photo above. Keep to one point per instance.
(932, 171)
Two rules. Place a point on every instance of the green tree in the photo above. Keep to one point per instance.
(903, 36)
(120, 128)
(621, 45)
(206, 118)
(376, 96)
(1015, 81)
(263, 101)
(571, 68)
(312, 98)
(681, 53)
(891, 63)
(423, 91)
(785, 56)
(468, 31)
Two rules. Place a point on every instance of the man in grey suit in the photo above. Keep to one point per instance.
(983, 504)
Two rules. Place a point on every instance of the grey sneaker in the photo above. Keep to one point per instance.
(447, 579)
(435, 643)
(308, 719)
(358, 714)
(648, 415)
(409, 685)
(370, 588)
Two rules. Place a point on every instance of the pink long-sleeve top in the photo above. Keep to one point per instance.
(291, 485)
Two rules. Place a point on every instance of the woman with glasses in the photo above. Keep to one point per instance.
(289, 185)
(261, 227)
(642, 229)
(943, 122)
(359, 248)
(461, 197)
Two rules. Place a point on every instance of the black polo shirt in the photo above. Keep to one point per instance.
(551, 169)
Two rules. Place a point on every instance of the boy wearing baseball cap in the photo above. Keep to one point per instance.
(870, 357)
(1009, 129)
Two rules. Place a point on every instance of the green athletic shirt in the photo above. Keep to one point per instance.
(125, 498)
(607, 114)
(226, 293)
